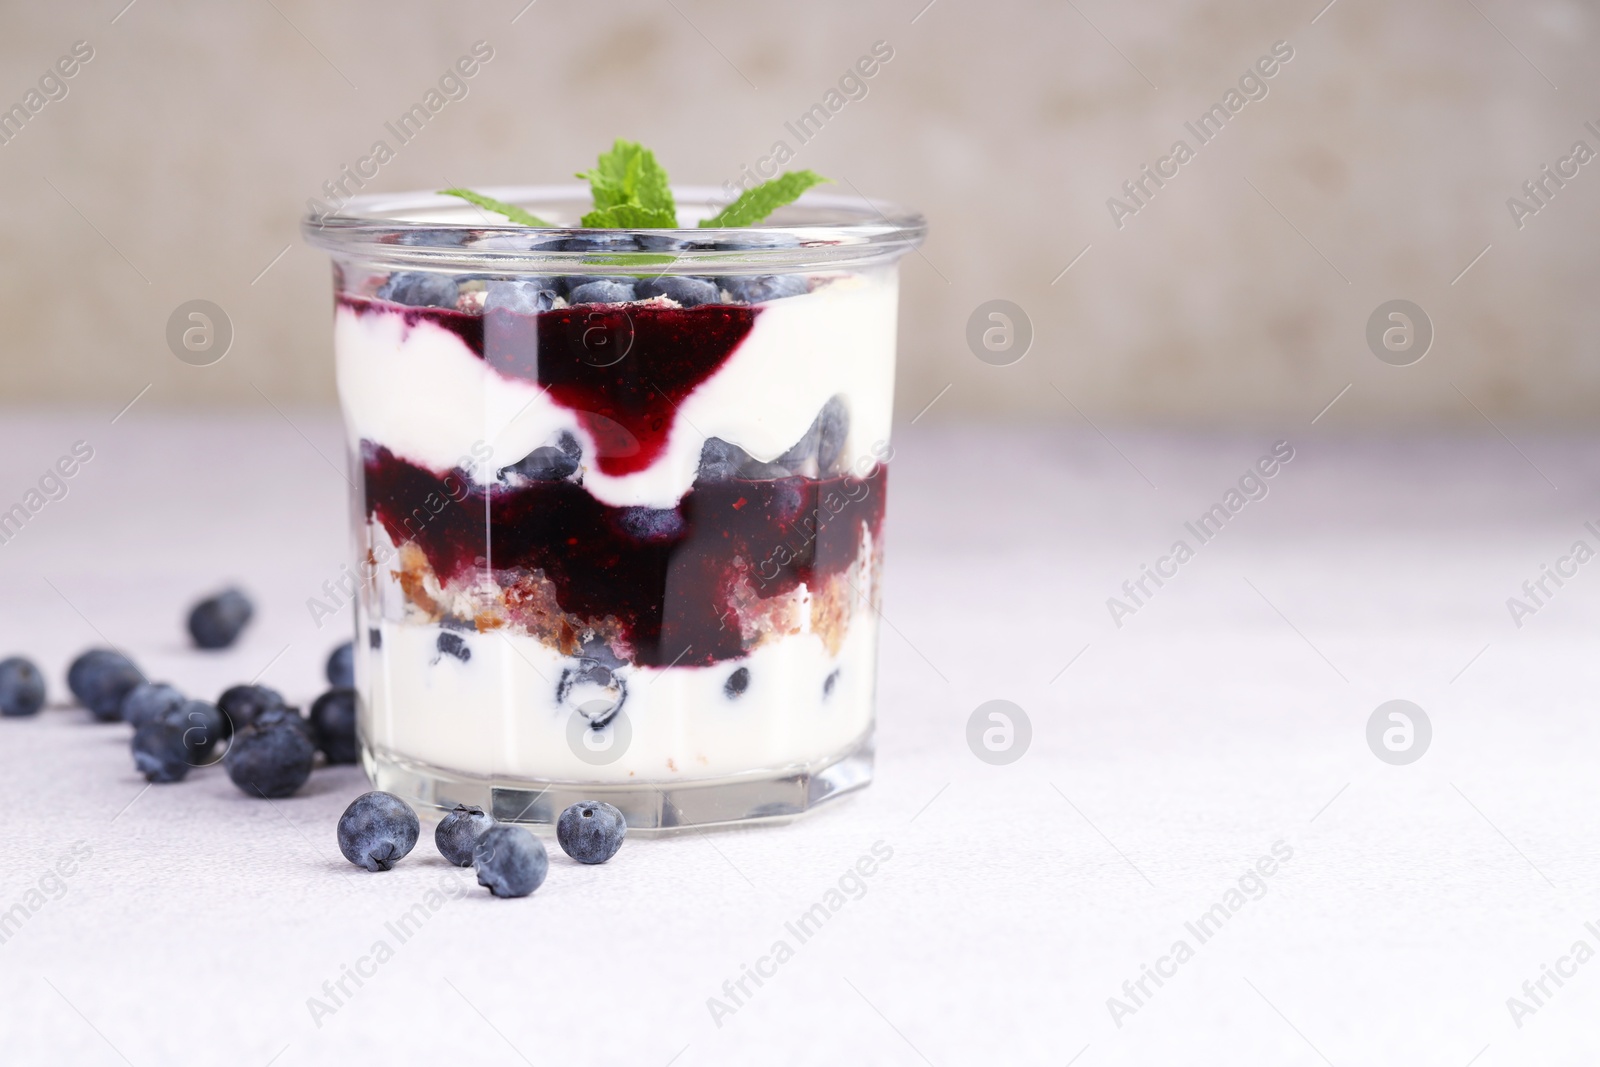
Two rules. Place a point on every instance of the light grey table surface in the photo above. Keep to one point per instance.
(1227, 715)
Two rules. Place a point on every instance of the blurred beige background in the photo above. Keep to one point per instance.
(1377, 166)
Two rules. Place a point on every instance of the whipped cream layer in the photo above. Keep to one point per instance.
(419, 390)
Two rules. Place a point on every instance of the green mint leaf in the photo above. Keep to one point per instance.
(629, 217)
(628, 174)
(753, 205)
(499, 207)
(652, 188)
(608, 181)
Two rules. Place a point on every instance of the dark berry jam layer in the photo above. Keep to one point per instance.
(666, 585)
(622, 369)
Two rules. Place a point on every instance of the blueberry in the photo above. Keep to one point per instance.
(829, 682)
(285, 716)
(550, 463)
(755, 288)
(786, 503)
(378, 830)
(669, 242)
(663, 242)
(450, 644)
(100, 678)
(458, 833)
(758, 471)
(521, 297)
(270, 761)
(598, 242)
(147, 701)
(688, 292)
(750, 238)
(597, 652)
(374, 637)
(159, 752)
(241, 704)
(333, 725)
(202, 728)
(21, 687)
(834, 424)
(567, 283)
(651, 524)
(720, 461)
(341, 669)
(594, 690)
(546, 464)
(737, 682)
(802, 454)
(216, 621)
(601, 292)
(510, 861)
(823, 442)
(591, 831)
(450, 238)
(421, 289)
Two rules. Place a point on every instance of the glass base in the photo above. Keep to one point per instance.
(651, 808)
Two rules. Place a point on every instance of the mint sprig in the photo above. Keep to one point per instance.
(628, 176)
(630, 217)
(753, 205)
(499, 207)
(631, 192)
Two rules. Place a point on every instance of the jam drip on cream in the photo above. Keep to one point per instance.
(622, 369)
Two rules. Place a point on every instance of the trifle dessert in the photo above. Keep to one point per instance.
(620, 495)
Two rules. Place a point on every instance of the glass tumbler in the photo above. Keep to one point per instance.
(619, 508)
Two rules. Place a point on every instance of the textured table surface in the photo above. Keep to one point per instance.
(1225, 718)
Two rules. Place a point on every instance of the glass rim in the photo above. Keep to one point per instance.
(821, 230)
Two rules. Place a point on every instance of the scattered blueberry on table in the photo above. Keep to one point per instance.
(272, 752)
(272, 760)
(591, 831)
(202, 728)
(150, 700)
(100, 678)
(21, 687)
(457, 834)
(377, 830)
(341, 669)
(510, 861)
(242, 704)
(333, 725)
(217, 621)
(159, 750)
(286, 716)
